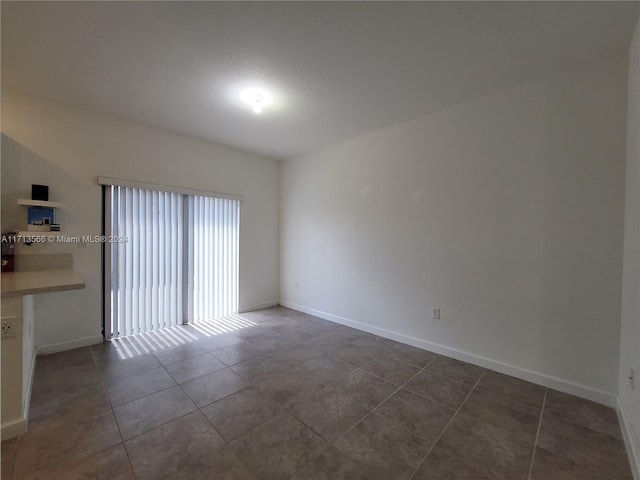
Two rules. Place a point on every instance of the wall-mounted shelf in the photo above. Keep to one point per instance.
(48, 212)
(38, 203)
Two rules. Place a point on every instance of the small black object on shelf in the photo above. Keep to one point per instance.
(8, 245)
(40, 192)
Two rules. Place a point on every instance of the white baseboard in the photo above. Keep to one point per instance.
(632, 451)
(257, 306)
(69, 345)
(545, 380)
(13, 428)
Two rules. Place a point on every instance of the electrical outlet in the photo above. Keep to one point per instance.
(7, 328)
(632, 378)
(436, 314)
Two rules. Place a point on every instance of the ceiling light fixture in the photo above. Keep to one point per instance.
(256, 98)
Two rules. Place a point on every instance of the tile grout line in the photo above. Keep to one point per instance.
(447, 425)
(113, 415)
(14, 455)
(338, 379)
(431, 372)
(287, 410)
(250, 385)
(474, 388)
(176, 384)
(199, 409)
(164, 367)
(226, 443)
(147, 394)
(386, 398)
(283, 410)
(331, 383)
(495, 393)
(19, 437)
(329, 444)
(111, 407)
(363, 418)
(535, 443)
(104, 387)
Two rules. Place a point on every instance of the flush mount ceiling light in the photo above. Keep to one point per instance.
(257, 99)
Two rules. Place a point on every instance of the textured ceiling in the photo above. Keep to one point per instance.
(336, 70)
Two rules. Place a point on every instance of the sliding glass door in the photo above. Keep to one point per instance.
(173, 258)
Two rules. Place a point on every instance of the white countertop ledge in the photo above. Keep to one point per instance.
(41, 281)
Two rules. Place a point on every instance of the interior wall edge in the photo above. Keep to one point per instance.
(257, 306)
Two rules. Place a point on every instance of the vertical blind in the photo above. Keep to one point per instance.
(215, 256)
(177, 260)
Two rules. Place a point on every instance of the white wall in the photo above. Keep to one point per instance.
(505, 212)
(67, 148)
(630, 331)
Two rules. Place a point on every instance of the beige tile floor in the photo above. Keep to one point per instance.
(277, 394)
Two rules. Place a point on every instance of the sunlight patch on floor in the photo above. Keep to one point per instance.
(170, 337)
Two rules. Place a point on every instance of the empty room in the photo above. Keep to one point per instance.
(320, 240)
